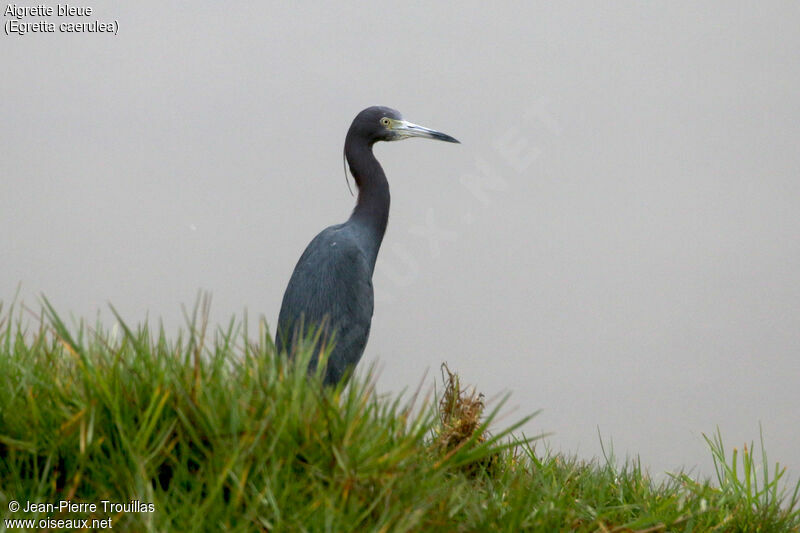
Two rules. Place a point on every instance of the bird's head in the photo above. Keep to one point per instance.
(380, 123)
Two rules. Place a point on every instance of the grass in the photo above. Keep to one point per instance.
(220, 434)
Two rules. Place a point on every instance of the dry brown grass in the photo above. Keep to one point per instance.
(460, 413)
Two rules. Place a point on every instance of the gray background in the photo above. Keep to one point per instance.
(615, 241)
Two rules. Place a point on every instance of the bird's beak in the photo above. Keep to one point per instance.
(405, 129)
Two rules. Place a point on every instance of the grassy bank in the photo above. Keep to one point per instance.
(219, 434)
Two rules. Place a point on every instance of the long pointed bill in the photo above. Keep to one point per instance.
(405, 129)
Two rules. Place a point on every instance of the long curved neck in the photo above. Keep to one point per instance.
(371, 213)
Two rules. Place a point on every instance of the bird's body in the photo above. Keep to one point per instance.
(331, 286)
(314, 297)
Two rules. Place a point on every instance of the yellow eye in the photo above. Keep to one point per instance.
(385, 121)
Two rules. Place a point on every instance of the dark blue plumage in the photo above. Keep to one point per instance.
(331, 286)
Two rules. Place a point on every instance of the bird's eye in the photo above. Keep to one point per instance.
(385, 121)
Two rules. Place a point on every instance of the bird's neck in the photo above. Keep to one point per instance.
(371, 213)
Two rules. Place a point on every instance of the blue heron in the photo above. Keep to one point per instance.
(331, 286)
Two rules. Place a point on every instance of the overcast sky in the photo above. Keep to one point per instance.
(616, 241)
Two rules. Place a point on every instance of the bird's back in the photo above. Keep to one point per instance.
(331, 285)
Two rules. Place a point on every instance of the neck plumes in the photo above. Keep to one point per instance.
(371, 213)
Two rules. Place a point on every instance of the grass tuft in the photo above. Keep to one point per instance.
(460, 424)
(212, 430)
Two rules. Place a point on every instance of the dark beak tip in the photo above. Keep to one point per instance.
(447, 138)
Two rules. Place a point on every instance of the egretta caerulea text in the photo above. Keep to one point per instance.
(330, 290)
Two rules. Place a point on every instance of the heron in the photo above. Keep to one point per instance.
(330, 291)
